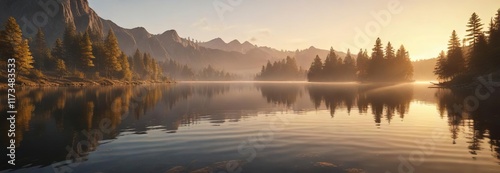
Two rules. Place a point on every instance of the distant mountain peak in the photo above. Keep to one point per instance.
(217, 40)
(235, 42)
(171, 32)
(140, 28)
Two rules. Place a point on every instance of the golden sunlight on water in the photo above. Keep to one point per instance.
(270, 127)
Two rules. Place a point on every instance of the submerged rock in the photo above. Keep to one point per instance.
(325, 165)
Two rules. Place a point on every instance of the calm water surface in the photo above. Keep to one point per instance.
(254, 127)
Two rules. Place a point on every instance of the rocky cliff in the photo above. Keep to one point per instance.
(53, 15)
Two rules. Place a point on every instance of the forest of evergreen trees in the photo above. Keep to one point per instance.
(87, 55)
(178, 71)
(283, 70)
(481, 56)
(385, 66)
(333, 69)
(83, 55)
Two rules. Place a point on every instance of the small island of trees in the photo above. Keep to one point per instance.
(388, 66)
(382, 66)
(283, 70)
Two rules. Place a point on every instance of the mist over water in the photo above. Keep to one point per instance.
(284, 126)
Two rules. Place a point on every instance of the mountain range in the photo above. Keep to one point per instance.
(53, 15)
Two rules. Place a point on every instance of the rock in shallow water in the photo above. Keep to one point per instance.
(325, 165)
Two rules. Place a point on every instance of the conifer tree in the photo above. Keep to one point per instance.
(125, 72)
(403, 65)
(70, 43)
(378, 53)
(86, 55)
(12, 45)
(475, 29)
(389, 52)
(455, 57)
(349, 67)
(478, 60)
(57, 52)
(376, 69)
(316, 70)
(61, 67)
(139, 63)
(362, 64)
(112, 53)
(24, 60)
(391, 66)
(147, 64)
(154, 70)
(41, 53)
(330, 67)
(494, 41)
(441, 67)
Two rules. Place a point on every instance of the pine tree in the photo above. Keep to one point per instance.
(349, 67)
(139, 67)
(391, 64)
(330, 67)
(362, 64)
(455, 57)
(86, 55)
(389, 52)
(61, 67)
(316, 70)
(441, 67)
(24, 60)
(41, 53)
(291, 71)
(159, 71)
(112, 53)
(70, 43)
(12, 45)
(57, 52)
(125, 73)
(378, 53)
(404, 67)
(494, 42)
(99, 52)
(478, 62)
(376, 68)
(154, 70)
(475, 29)
(147, 64)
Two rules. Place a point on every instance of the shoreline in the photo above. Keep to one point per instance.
(24, 82)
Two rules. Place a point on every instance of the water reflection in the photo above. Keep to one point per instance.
(53, 121)
(382, 100)
(482, 126)
(282, 94)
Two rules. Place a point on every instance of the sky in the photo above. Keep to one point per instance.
(422, 26)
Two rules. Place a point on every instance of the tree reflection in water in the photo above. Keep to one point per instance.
(482, 124)
(55, 118)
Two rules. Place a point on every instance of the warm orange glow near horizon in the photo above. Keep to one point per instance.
(423, 27)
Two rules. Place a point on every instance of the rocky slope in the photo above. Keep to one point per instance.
(53, 15)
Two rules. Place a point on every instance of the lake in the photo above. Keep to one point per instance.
(255, 127)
